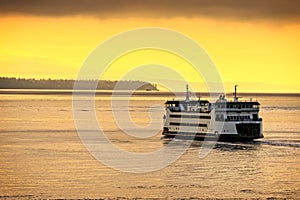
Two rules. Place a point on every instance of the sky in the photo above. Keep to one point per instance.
(253, 43)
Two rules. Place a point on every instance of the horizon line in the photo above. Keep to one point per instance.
(270, 92)
(136, 92)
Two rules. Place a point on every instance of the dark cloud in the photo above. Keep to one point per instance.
(238, 9)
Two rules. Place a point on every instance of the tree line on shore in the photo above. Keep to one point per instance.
(67, 84)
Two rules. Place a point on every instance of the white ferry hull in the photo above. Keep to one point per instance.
(246, 132)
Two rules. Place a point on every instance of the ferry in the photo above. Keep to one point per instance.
(222, 120)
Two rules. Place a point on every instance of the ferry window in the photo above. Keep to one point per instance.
(255, 116)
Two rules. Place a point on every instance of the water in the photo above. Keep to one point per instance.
(43, 157)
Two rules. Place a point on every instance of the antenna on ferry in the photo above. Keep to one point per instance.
(187, 96)
(235, 97)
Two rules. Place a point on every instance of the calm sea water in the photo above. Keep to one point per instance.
(43, 157)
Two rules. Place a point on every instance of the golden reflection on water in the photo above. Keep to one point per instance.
(43, 157)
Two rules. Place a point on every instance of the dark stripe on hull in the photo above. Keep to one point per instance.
(202, 136)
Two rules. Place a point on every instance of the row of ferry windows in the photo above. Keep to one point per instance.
(190, 116)
(236, 106)
(232, 118)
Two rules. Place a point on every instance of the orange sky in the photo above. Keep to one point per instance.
(259, 56)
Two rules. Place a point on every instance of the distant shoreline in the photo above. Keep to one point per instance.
(68, 84)
(127, 92)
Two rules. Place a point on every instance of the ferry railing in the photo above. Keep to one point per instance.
(237, 109)
(244, 120)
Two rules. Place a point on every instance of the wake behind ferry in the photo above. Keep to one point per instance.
(223, 120)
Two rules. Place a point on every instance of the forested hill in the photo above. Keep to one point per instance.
(57, 84)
